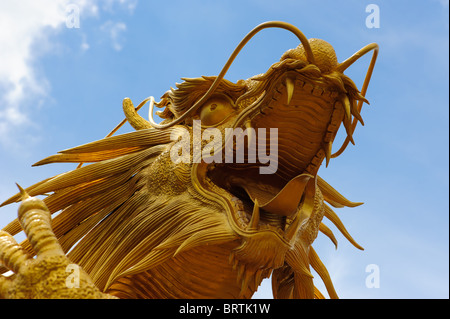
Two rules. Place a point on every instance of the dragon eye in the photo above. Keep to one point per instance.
(216, 109)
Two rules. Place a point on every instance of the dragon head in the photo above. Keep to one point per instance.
(289, 116)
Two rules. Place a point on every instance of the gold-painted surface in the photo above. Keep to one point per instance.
(142, 226)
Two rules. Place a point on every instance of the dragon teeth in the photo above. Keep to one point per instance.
(290, 89)
(327, 150)
(250, 131)
(347, 125)
(293, 227)
(355, 112)
(346, 103)
(253, 225)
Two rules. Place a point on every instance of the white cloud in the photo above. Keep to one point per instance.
(26, 30)
(84, 44)
(23, 24)
(130, 5)
(114, 30)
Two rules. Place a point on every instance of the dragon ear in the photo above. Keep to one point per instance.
(342, 67)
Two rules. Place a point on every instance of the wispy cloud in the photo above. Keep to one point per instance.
(84, 44)
(110, 5)
(444, 3)
(114, 31)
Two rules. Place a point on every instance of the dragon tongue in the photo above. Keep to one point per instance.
(286, 201)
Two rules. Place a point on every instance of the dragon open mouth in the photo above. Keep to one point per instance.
(306, 113)
(305, 105)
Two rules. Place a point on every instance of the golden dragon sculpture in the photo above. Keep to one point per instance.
(173, 210)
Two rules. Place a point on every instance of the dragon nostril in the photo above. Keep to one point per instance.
(324, 54)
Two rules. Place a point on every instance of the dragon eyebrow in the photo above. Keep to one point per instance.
(214, 85)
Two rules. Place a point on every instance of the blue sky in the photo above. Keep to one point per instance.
(61, 87)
